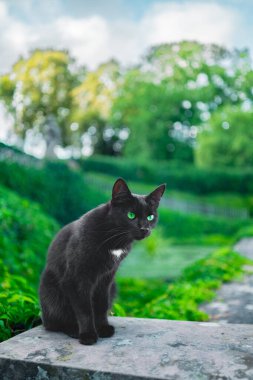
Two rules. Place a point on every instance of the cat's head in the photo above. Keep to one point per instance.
(134, 213)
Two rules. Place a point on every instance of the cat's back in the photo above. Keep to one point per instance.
(74, 234)
(57, 248)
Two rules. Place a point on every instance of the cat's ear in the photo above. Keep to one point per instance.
(156, 195)
(120, 190)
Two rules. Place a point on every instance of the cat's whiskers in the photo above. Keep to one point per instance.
(120, 241)
(107, 230)
(111, 237)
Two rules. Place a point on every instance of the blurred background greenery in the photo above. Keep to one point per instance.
(182, 115)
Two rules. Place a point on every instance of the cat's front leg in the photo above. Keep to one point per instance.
(80, 298)
(101, 304)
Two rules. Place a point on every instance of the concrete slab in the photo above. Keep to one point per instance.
(140, 349)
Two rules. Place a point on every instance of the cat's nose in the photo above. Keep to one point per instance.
(145, 231)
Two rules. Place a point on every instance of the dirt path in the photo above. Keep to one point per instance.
(234, 301)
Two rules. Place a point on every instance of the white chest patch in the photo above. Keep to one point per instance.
(117, 252)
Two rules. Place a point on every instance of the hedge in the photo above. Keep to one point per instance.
(177, 175)
(62, 192)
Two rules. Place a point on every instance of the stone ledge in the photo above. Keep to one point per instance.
(140, 349)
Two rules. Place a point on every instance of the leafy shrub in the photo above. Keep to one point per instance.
(175, 174)
(19, 308)
(61, 191)
(244, 232)
(179, 300)
(25, 233)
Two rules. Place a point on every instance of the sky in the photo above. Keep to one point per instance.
(97, 30)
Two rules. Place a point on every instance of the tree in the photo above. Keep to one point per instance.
(164, 101)
(226, 139)
(92, 102)
(37, 92)
(148, 111)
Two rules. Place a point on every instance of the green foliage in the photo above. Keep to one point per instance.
(184, 228)
(177, 176)
(37, 91)
(25, 233)
(227, 140)
(153, 110)
(246, 231)
(19, 308)
(180, 300)
(61, 191)
(92, 101)
(149, 111)
(163, 101)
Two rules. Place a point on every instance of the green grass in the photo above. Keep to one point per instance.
(180, 300)
(167, 262)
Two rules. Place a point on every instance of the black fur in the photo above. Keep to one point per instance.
(77, 286)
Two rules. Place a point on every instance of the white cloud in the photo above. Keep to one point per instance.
(14, 38)
(89, 39)
(205, 22)
(94, 39)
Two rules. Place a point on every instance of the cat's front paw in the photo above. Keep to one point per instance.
(88, 338)
(106, 331)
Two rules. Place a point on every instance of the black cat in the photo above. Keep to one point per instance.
(77, 286)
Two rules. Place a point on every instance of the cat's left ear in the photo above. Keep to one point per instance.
(156, 195)
(120, 190)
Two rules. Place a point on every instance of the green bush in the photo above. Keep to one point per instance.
(177, 175)
(61, 191)
(25, 233)
(19, 307)
(198, 229)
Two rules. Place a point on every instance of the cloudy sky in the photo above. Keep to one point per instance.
(96, 30)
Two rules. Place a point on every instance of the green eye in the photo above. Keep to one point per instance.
(150, 217)
(131, 215)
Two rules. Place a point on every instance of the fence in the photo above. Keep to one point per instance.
(190, 207)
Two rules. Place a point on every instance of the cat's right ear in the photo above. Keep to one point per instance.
(120, 191)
